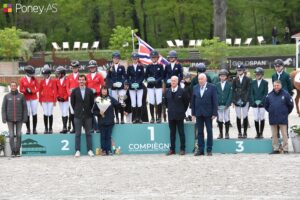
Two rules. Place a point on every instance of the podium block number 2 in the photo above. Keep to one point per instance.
(240, 146)
(65, 146)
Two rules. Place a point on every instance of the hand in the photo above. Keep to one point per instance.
(102, 113)
(125, 113)
(71, 90)
(193, 118)
(213, 117)
(28, 90)
(60, 99)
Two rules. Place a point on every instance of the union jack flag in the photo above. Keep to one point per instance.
(144, 53)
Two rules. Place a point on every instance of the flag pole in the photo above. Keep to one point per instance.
(132, 32)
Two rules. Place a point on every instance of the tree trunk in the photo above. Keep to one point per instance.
(136, 23)
(145, 21)
(220, 8)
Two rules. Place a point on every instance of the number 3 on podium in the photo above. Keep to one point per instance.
(240, 146)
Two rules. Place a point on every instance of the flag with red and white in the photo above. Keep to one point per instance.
(144, 53)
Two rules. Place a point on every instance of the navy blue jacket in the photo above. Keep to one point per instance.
(156, 71)
(114, 76)
(279, 105)
(177, 103)
(135, 76)
(207, 105)
(177, 71)
(109, 115)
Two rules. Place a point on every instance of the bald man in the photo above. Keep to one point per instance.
(204, 110)
(177, 101)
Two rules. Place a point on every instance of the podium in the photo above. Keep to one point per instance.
(137, 139)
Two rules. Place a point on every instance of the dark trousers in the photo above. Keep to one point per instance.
(14, 128)
(200, 121)
(172, 126)
(106, 132)
(87, 125)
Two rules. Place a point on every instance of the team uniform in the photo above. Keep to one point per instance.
(95, 81)
(173, 69)
(29, 87)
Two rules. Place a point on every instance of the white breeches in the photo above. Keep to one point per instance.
(48, 108)
(64, 108)
(258, 114)
(154, 95)
(242, 111)
(32, 107)
(136, 97)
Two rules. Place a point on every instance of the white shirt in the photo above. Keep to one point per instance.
(223, 85)
(174, 89)
(28, 78)
(116, 67)
(202, 89)
(258, 82)
(279, 74)
(241, 78)
(75, 75)
(62, 80)
(47, 80)
(172, 65)
(134, 67)
(93, 75)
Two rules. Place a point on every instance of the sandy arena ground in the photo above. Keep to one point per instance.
(222, 176)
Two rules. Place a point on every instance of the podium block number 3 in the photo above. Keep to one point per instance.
(240, 146)
(65, 146)
(151, 129)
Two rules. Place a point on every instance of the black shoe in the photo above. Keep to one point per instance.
(28, 132)
(220, 136)
(72, 131)
(209, 153)
(158, 120)
(199, 153)
(286, 152)
(46, 131)
(275, 152)
(117, 121)
(152, 121)
(245, 136)
(122, 122)
(171, 152)
(50, 131)
(34, 132)
(257, 136)
(92, 131)
(226, 135)
(17, 153)
(240, 136)
(64, 131)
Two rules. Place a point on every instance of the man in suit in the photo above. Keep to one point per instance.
(177, 102)
(204, 110)
(82, 101)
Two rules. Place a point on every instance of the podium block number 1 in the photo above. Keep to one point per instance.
(151, 129)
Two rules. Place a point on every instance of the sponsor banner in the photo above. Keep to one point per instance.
(136, 139)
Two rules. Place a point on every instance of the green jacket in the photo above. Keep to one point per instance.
(225, 96)
(258, 93)
(286, 81)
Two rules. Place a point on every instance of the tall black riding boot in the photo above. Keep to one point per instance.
(46, 124)
(139, 115)
(117, 114)
(262, 127)
(220, 125)
(50, 124)
(256, 123)
(134, 115)
(227, 125)
(34, 120)
(28, 126)
(152, 120)
(122, 115)
(65, 122)
(71, 118)
(158, 113)
(245, 123)
(239, 126)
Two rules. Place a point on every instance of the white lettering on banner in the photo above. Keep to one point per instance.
(149, 147)
(250, 63)
(36, 8)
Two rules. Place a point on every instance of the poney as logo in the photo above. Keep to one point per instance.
(7, 7)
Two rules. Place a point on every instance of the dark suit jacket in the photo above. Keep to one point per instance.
(156, 71)
(114, 76)
(177, 71)
(259, 93)
(82, 107)
(135, 76)
(177, 103)
(207, 105)
(241, 91)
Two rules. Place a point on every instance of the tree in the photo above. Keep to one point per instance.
(10, 43)
(220, 8)
(121, 39)
(215, 51)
